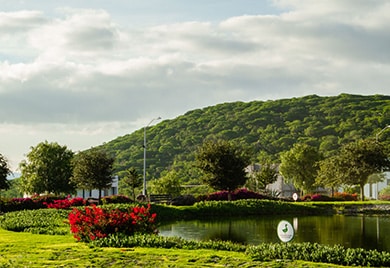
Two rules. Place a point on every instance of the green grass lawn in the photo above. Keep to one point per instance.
(31, 250)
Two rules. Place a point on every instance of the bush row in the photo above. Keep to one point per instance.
(336, 197)
(263, 252)
(156, 241)
(53, 201)
(320, 253)
(238, 208)
(34, 202)
(238, 194)
(40, 221)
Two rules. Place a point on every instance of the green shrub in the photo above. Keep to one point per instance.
(183, 200)
(156, 241)
(312, 252)
(319, 253)
(116, 199)
(42, 221)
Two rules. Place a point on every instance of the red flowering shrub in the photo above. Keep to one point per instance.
(90, 223)
(65, 203)
(336, 197)
(320, 197)
(384, 197)
(345, 196)
(306, 197)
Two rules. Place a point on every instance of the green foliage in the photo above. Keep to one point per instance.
(42, 221)
(259, 179)
(385, 194)
(130, 181)
(47, 170)
(320, 253)
(92, 169)
(155, 241)
(266, 127)
(169, 183)
(299, 166)
(223, 163)
(354, 164)
(312, 252)
(253, 207)
(116, 199)
(14, 189)
(4, 172)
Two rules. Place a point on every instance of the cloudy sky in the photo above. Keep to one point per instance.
(81, 73)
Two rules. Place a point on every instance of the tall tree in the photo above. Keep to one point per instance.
(132, 180)
(169, 183)
(358, 160)
(92, 169)
(4, 172)
(223, 163)
(48, 169)
(259, 179)
(328, 174)
(299, 165)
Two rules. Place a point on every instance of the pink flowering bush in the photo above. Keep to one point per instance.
(235, 195)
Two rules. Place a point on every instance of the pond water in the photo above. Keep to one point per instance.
(367, 232)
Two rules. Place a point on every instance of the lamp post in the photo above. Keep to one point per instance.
(383, 129)
(144, 189)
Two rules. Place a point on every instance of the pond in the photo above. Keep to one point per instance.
(367, 232)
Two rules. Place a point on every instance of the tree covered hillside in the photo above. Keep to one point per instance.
(267, 128)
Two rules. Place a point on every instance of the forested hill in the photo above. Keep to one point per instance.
(266, 127)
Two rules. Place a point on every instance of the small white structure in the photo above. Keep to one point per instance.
(371, 191)
(280, 186)
(113, 190)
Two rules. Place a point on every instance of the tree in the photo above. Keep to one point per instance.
(358, 160)
(48, 169)
(328, 174)
(299, 165)
(4, 172)
(223, 163)
(132, 180)
(169, 183)
(259, 179)
(92, 169)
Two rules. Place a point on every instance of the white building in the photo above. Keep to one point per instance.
(372, 191)
(287, 189)
(113, 190)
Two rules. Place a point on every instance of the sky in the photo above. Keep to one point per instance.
(81, 73)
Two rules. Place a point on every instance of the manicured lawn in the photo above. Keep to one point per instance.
(31, 250)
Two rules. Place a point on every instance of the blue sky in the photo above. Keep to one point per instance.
(81, 73)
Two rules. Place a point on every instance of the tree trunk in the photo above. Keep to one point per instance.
(362, 191)
(229, 196)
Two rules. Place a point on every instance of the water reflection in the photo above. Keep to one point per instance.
(350, 231)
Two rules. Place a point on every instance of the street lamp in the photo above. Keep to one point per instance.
(144, 189)
(377, 135)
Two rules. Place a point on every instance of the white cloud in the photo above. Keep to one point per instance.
(93, 66)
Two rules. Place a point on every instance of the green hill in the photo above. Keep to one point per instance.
(266, 127)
